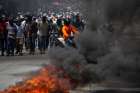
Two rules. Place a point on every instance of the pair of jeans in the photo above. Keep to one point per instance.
(43, 42)
(11, 46)
(2, 46)
(31, 43)
(70, 42)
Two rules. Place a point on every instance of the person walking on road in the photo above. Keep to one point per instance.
(43, 35)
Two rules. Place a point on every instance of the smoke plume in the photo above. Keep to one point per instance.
(111, 39)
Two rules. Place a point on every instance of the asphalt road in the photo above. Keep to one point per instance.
(15, 69)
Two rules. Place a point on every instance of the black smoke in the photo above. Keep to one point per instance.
(111, 39)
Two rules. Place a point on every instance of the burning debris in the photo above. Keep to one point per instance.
(61, 77)
(48, 80)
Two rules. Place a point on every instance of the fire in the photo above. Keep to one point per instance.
(48, 80)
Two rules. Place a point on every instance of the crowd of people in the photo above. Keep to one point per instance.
(29, 32)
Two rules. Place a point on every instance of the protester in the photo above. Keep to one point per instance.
(68, 31)
(34, 29)
(19, 39)
(78, 22)
(12, 30)
(60, 25)
(28, 35)
(2, 36)
(43, 35)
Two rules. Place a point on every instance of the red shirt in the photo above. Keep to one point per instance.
(2, 26)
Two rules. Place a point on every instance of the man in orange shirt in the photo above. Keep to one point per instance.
(69, 31)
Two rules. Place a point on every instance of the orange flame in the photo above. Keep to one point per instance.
(48, 80)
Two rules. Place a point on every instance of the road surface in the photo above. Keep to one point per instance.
(14, 69)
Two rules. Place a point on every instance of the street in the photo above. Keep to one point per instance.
(15, 69)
